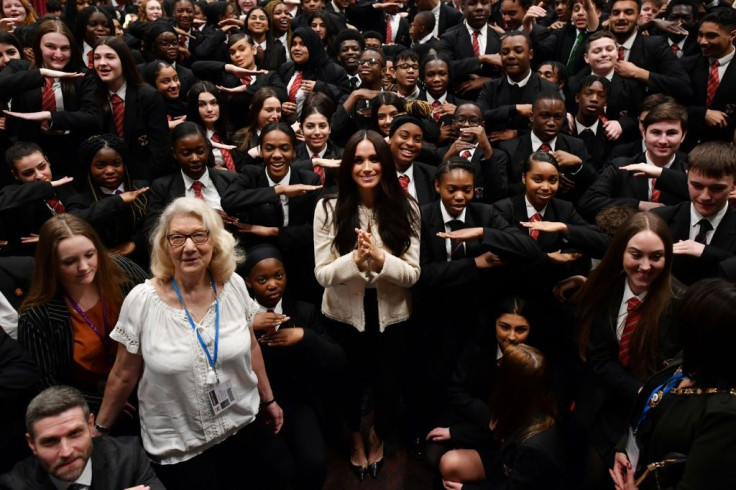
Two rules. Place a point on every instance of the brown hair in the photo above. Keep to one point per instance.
(667, 111)
(713, 159)
(600, 295)
(45, 284)
(525, 373)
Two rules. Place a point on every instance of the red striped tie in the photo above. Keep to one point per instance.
(465, 154)
(435, 113)
(318, 169)
(48, 99)
(295, 86)
(404, 182)
(476, 44)
(246, 80)
(91, 59)
(621, 53)
(545, 148)
(197, 187)
(632, 318)
(713, 83)
(675, 48)
(535, 233)
(389, 31)
(182, 44)
(118, 113)
(56, 205)
(229, 163)
(656, 193)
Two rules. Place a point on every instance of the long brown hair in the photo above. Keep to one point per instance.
(522, 399)
(46, 285)
(601, 294)
(75, 64)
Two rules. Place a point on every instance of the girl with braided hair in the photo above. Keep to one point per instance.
(111, 202)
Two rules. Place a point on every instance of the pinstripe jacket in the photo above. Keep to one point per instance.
(46, 332)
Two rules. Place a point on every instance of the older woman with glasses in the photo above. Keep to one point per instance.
(186, 340)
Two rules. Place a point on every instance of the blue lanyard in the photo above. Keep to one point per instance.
(658, 394)
(212, 359)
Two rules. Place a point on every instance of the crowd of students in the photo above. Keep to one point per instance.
(488, 212)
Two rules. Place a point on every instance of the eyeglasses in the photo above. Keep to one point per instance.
(472, 121)
(372, 62)
(407, 66)
(198, 237)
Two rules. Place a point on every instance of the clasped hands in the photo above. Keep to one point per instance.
(368, 255)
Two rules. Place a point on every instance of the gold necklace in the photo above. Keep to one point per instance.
(702, 391)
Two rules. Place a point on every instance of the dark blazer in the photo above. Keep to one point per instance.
(424, 183)
(499, 111)
(81, 115)
(273, 56)
(18, 379)
(499, 237)
(609, 399)
(366, 18)
(623, 103)
(666, 74)
(252, 197)
(423, 49)
(296, 372)
(722, 246)
(616, 187)
(303, 161)
(698, 68)
(212, 45)
(166, 189)
(111, 217)
(564, 41)
(683, 424)
(537, 279)
(239, 106)
(332, 79)
(46, 332)
(449, 17)
(145, 129)
(116, 463)
(519, 149)
(457, 45)
(599, 146)
(23, 210)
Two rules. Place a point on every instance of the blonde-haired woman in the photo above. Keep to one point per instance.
(204, 381)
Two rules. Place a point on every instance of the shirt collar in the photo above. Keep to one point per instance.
(726, 59)
(409, 172)
(483, 31)
(320, 154)
(276, 309)
(447, 217)
(85, 478)
(668, 165)
(531, 210)
(284, 181)
(628, 293)
(442, 98)
(112, 192)
(536, 142)
(714, 220)
(521, 83)
(426, 38)
(580, 127)
(204, 179)
(121, 91)
(629, 42)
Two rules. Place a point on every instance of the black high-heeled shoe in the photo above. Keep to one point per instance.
(358, 470)
(375, 467)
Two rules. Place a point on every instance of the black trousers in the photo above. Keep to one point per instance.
(373, 361)
(252, 458)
